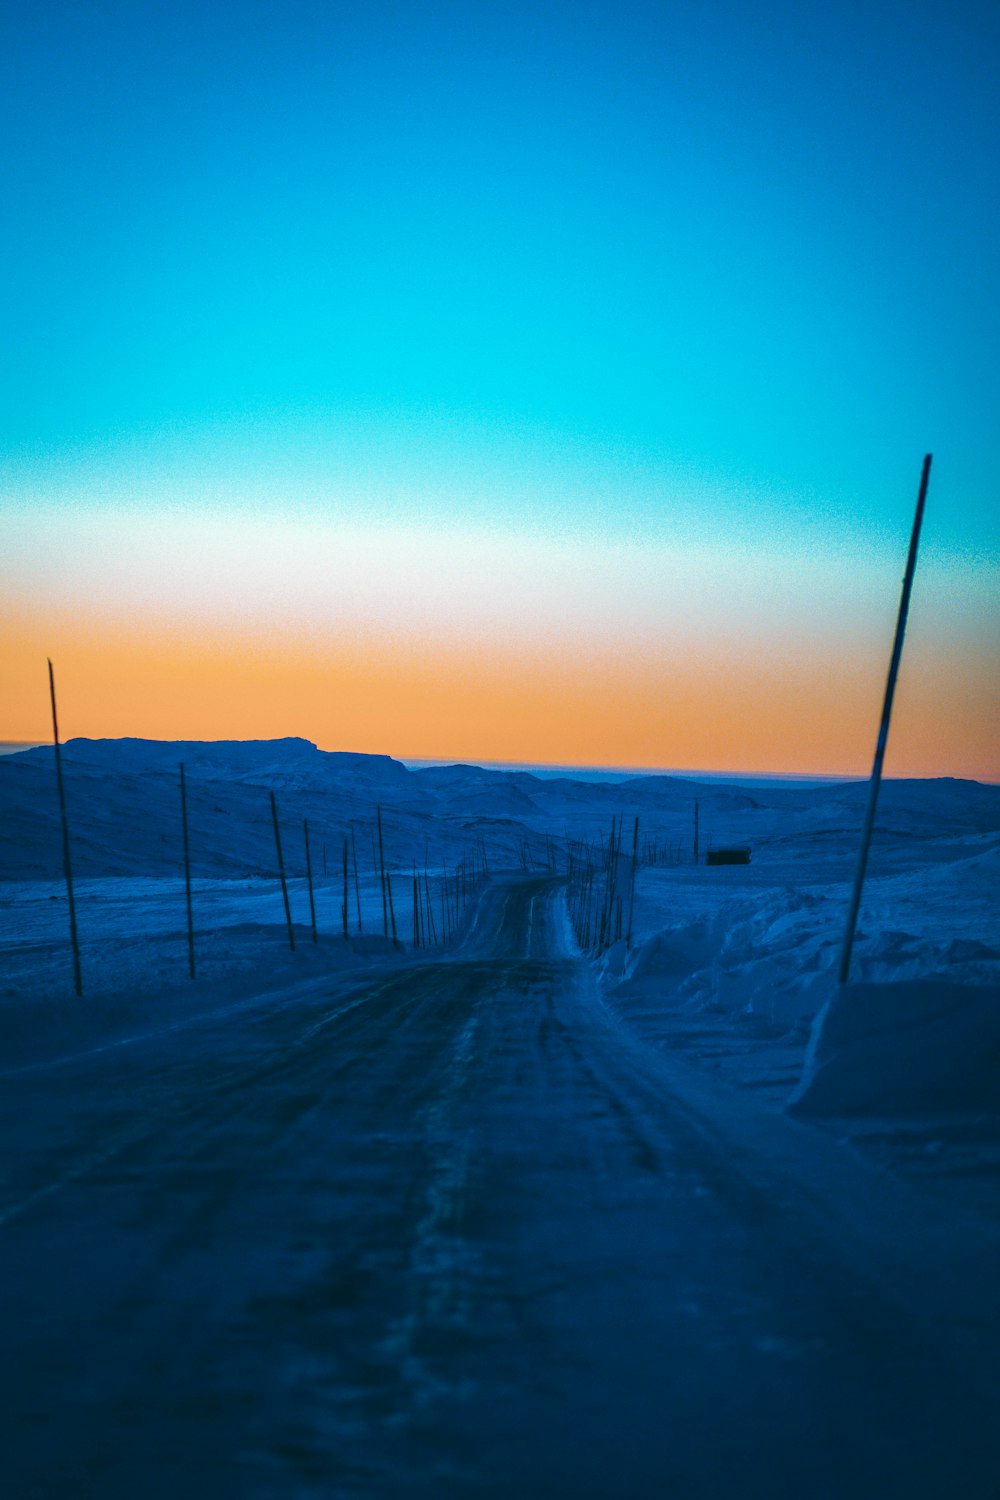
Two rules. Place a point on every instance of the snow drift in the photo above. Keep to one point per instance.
(887, 1049)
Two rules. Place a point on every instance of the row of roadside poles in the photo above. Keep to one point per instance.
(281, 872)
(455, 887)
(868, 825)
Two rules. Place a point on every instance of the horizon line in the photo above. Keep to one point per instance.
(419, 762)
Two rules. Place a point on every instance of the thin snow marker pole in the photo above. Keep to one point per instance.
(309, 878)
(357, 883)
(281, 871)
(187, 873)
(381, 862)
(67, 863)
(610, 890)
(883, 733)
(344, 907)
(631, 903)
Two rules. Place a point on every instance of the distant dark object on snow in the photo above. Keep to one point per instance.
(727, 857)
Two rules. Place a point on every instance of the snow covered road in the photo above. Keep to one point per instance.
(457, 1231)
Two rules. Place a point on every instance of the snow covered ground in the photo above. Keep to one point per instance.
(452, 1229)
(134, 953)
(764, 939)
(491, 1218)
(736, 967)
(734, 964)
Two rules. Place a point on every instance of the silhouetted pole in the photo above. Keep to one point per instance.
(187, 873)
(67, 864)
(343, 909)
(696, 849)
(357, 883)
(883, 733)
(309, 878)
(631, 903)
(381, 865)
(281, 871)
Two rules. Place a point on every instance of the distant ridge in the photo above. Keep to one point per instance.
(547, 772)
(131, 753)
(234, 759)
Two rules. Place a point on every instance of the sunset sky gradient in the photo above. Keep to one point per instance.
(504, 382)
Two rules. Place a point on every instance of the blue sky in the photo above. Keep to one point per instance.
(703, 274)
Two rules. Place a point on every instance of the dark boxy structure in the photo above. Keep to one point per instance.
(727, 857)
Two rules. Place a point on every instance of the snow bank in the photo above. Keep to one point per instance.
(910, 1048)
(770, 952)
(670, 955)
(771, 957)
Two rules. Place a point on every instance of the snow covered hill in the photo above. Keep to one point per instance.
(125, 813)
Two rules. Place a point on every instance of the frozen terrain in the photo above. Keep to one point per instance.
(495, 1214)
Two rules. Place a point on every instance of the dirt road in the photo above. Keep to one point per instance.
(458, 1232)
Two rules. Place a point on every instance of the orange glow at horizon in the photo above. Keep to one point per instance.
(741, 709)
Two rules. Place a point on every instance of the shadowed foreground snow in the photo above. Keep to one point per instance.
(920, 1046)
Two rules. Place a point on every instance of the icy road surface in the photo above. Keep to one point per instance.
(459, 1232)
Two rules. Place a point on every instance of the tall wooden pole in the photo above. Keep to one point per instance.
(635, 862)
(281, 871)
(309, 878)
(381, 865)
(883, 733)
(187, 873)
(67, 863)
(357, 883)
(344, 906)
